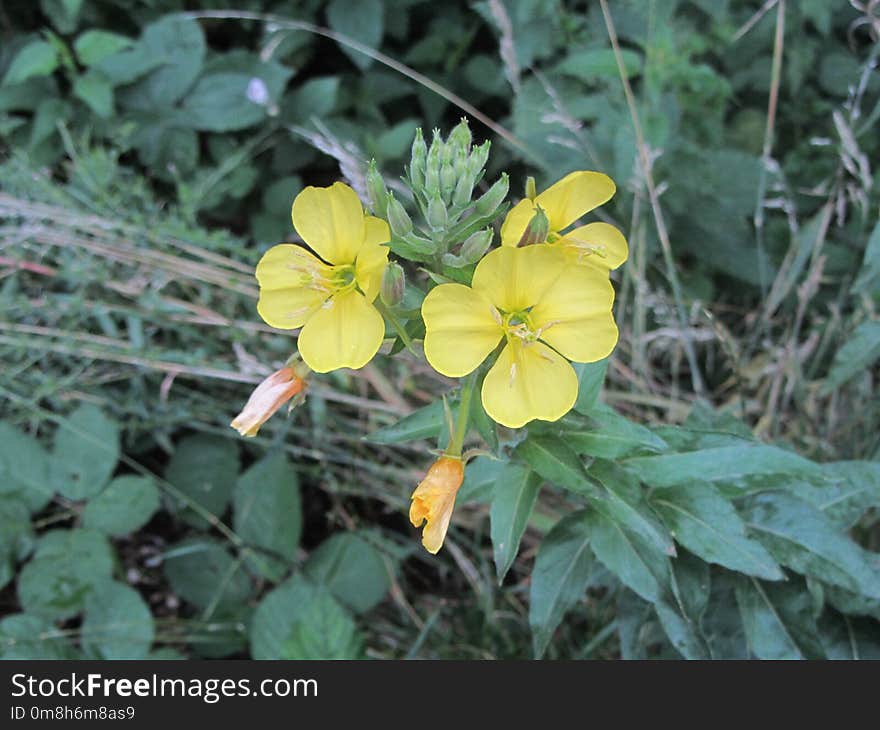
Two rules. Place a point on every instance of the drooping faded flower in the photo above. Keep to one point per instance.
(544, 311)
(267, 398)
(330, 297)
(598, 244)
(434, 499)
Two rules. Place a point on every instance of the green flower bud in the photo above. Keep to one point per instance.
(393, 285)
(418, 158)
(531, 192)
(537, 229)
(459, 138)
(463, 190)
(478, 157)
(489, 201)
(476, 245)
(436, 214)
(432, 165)
(376, 190)
(398, 218)
(447, 179)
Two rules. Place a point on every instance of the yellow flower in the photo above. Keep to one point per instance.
(565, 201)
(546, 311)
(434, 499)
(267, 398)
(330, 297)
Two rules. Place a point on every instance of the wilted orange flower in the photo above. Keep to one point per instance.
(434, 499)
(267, 398)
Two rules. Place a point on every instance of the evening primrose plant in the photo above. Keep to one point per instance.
(507, 320)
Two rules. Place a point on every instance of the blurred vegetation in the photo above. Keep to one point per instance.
(150, 152)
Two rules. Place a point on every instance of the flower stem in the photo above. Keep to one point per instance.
(464, 412)
(396, 324)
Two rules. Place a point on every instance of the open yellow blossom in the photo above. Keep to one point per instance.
(330, 297)
(598, 244)
(546, 312)
(434, 499)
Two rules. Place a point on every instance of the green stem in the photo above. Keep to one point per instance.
(396, 324)
(464, 412)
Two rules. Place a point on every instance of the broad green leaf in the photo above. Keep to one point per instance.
(128, 65)
(722, 464)
(16, 535)
(315, 98)
(94, 90)
(613, 436)
(599, 64)
(778, 620)
(179, 42)
(117, 623)
(859, 352)
(225, 634)
(556, 462)
(516, 492)
(869, 276)
(126, 505)
(708, 525)
(800, 537)
(361, 21)
(847, 491)
(24, 468)
(37, 58)
(267, 512)
(352, 569)
(93, 46)
(298, 620)
(591, 376)
(202, 572)
(66, 567)
(85, 453)
(25, 636)
(63, 14)
(225, 102)
(425, 423)
(722, 623)
(842, 638)
(480, 478)
(204, 468)
(561, 574)
(683, 634)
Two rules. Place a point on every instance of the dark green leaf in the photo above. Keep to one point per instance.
(361, 21)
(859, 352)
(516, 491)
(37, 58)
(85, 453)
(425, 423)
(128, 503)
(556, 462)
(591, 376)
(224, 102)
(202, 572)
(352, 569)
(117, 623)
(204, 469)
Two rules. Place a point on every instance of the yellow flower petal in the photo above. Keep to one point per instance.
(372, 257)
(573, 196)
(460, 329)
(288, 293)
(516, 278)
(346, 332)
(529, 381)
(434, 499)
(598, 244)
(331, 221)
(574, 317)
(515, 222)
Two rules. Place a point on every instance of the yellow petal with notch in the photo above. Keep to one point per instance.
(573, 196)
(460, 329)
(331, 221)
(529, 381)
(346, 332)
(516, 278)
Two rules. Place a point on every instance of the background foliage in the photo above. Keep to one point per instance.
(715, 491)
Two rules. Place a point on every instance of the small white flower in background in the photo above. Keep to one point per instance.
(257, 91)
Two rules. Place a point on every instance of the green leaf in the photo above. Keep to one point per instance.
(708, 525)
(800, 537)
(16, 535)
(24, 468)
(96, 93)
(66, 567)
(24, 636)
(556, 462)
(224, 102)
(560, 577)
(126, 505)
(37, 58)
(93, 46)
(591, 377)
(317, 97)
(721, 623)
(480, 478)
(352, 569)
(425, 423)
(267, 512)
(723, 464)
(859, 352)
(361, 21)
(85, 453)
(844, 638)
(613, 436)
(204, 468)
(117, 623)
(179, 43)
(298, 620)
(599, 64)
(848, 490)
(516, 491)
(128, 65)
(778, 621)
(63, 14)
(869, 275)
(202, 572)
